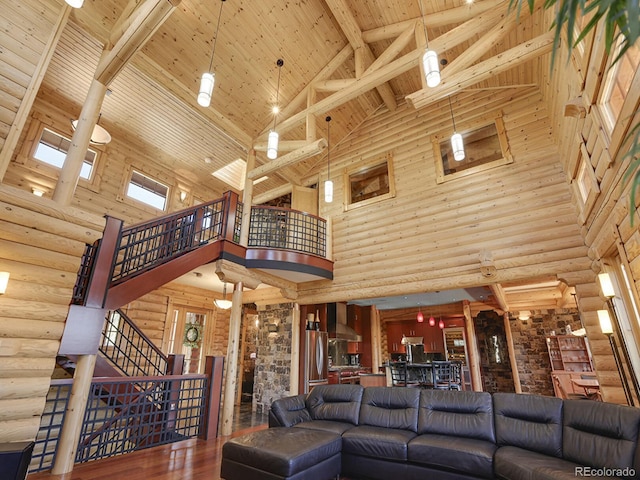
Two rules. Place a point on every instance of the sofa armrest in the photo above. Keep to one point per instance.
(288, 411)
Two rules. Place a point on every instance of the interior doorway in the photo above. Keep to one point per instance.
(186, 336)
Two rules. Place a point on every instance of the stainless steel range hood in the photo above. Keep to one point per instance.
(344, 331)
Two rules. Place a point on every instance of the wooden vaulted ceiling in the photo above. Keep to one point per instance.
(344, 59)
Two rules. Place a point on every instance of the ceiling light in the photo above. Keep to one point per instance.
(456, 139)
(223, 303)
(328, 184)
(37, 192)
(209, 78)
(75, 3)
(99, 136)
(272, 141)
(430, 58)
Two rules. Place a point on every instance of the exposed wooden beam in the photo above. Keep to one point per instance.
(140, 27)
(289, 159)
(500, 295)
(483, 71)
(283, 146)
(273, 193)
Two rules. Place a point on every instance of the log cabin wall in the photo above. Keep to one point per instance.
(41, 245)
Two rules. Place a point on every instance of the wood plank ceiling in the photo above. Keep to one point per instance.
(346, 59)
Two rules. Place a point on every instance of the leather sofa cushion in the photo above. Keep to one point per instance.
(461, 414)
(282, 451)
(600, 434)
(517, 463)
(289, 411)
(377, 442)
(342, 404)
(388, 407)
(466, 455)
(326, 426)
(532, 422)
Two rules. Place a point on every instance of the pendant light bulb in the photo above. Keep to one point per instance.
(431, 68)
(206, 89)
(75, 3)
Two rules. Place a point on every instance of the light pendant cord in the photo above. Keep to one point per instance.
(215, 40)
(452, 119)
(424, 24)
(279, 63)
(328, 119)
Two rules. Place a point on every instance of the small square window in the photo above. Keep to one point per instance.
(52, 149)
(485, 147)
(368, 184)
(147, 190)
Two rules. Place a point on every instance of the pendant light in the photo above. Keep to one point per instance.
(432, 321)
(272, 142)
(99, 136)
(430, 58)
(420, 316)
(457, 146)
(328, 184)
(75, 3)
(208, 78)
(440, 324)
(223, 303)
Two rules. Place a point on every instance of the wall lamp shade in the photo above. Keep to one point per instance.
(431, 68)
(4, 281)
(75, 3)
(605, 322)
(457, 146)
(606, 285)
(206, 89)
(223, 303)
(272, 145)
(99, 136)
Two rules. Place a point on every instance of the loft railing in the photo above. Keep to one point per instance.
(124, 415)
(274, 227)
(144, 246)
(129, 349)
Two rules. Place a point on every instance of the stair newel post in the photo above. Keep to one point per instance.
(233, 348)
(231, 202)
(175, 366)
(103, 264)
(214, 369)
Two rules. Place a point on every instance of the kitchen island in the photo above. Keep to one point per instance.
(346, 373)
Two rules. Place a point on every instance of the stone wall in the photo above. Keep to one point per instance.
(495, 366)
(273, 362)
(532, 357)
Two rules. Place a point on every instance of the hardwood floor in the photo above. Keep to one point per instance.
(191, 459)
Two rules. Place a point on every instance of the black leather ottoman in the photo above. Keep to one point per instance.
(282, 453)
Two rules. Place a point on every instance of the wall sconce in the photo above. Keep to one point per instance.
(37, 192)
(4, 281)
(524, 315)
(183, 196)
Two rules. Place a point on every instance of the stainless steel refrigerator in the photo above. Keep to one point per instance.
(316, 370)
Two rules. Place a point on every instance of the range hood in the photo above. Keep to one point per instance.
(342, 330)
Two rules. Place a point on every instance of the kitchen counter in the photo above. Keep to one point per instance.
(346, 373)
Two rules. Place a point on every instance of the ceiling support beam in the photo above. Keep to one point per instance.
(136, 30)
(289, 159)
(500, 295)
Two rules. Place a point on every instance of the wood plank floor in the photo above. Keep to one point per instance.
(188, 460)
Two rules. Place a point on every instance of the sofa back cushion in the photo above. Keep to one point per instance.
(600, 434)
(532, 422)
(390, 407)
(461, 414)
(340, 403)
(289, 411)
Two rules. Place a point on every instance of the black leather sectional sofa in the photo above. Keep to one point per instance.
(407, 433)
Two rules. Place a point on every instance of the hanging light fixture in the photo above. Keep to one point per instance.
(75, 3)
(432, 321)
(328, 184)
(456, 139)
(272, 142)
(99, 136)
(420, 316)
(223, 303)
(441, 324)
(430, 58)
(209, 77)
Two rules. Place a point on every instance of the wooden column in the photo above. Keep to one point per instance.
(512, 353)
(231, 378)
(247, 199)
(294, 381)
(70, 172)
(376, 340)
(472, 349)
(72, 427)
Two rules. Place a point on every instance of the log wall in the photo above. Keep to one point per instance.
(41, 246)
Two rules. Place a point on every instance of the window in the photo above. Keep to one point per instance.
(485, 147)
(370, 183)
(52, 149)
(585, 184)
(616, 86)
(147, 190)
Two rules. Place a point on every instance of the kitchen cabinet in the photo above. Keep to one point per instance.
(433, 339)
(394, 338)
